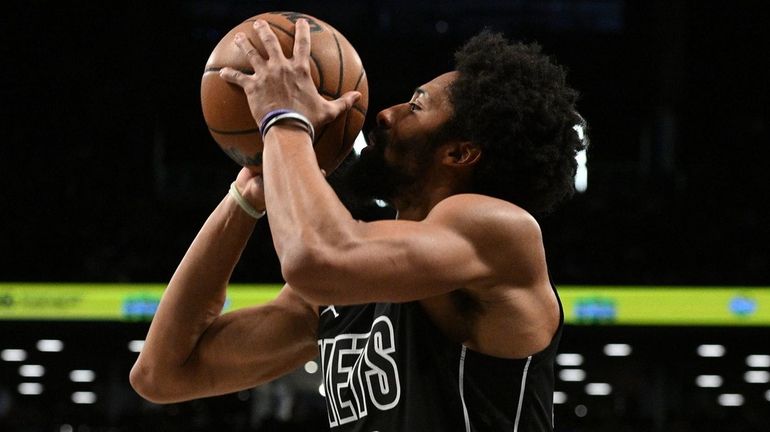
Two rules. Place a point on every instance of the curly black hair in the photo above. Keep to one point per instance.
(513, 101)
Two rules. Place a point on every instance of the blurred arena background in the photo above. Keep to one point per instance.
(108, 171)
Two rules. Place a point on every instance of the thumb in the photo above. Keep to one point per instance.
(344, 103)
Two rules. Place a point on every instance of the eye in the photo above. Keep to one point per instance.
(413, 106)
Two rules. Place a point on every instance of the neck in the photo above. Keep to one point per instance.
(416, 207)
(417, 201)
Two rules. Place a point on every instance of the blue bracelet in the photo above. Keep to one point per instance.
(267, 117)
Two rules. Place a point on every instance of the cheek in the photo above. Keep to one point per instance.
(394, 153)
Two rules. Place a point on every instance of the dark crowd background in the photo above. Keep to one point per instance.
(108, 170)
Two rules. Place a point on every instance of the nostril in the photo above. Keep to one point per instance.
(386, 116)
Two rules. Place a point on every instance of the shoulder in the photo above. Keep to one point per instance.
(504, 235)
(484, 216)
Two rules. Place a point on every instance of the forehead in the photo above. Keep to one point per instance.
(437, 89)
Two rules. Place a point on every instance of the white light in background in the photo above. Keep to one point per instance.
(581, 174)
(30, 388)
(572, 375)
(598, 389)
(730, 399)
(711, 350)
(767, 395)
(708, 381)
(569, 359)
(322, 390)
(50, 345)
(84, 397)
(32, 371)
(11, 355)
(758, 360)
(311, 367)
(66, 428)
(359, 143)
(581, 410)
(559, 397)
(82, 375)
(580, 130)
(757, 377)
(136, 346)
(617, 350)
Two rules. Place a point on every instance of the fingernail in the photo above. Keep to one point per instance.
(238, 37)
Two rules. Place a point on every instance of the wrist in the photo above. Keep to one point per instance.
(286, 117)
(250, 209)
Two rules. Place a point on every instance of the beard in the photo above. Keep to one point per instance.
(371, 177)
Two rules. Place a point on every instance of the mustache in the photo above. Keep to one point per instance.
(378, 137)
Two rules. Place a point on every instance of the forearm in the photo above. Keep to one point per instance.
(305, 213)
(196, 293)
(239, 350)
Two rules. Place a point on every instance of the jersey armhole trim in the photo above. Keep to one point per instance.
(521, 394)
(462, 395)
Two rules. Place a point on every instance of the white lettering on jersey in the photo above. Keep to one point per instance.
(359, 370)
(331, 308)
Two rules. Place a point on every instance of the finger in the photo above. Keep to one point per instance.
(268, 38)
(233, 76)
(301, 40)
(344, 103)
(244, 175)
(248, 49)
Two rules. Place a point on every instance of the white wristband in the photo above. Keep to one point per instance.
(243, 204)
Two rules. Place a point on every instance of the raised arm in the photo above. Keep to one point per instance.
(192, 351)
(327, 256)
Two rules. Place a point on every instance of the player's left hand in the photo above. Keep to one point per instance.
(252, 188)
(284, 83)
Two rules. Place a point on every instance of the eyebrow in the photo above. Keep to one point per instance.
(420, 92)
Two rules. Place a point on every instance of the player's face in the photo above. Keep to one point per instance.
(402, 147)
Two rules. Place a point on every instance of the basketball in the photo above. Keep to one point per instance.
(335, 68)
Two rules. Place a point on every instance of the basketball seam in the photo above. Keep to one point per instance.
(235, 132)
(317, 66)
(341, 63)
(344, 132)
(360, 78)
(358, 83)
(320, 135)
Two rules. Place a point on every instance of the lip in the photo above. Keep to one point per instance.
(371, 141)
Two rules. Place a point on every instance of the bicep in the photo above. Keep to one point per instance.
(465, 242)
(399, 261)
(248, 347)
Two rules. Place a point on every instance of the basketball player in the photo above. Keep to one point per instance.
(442, 320)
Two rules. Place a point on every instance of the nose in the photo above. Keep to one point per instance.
(387, 117)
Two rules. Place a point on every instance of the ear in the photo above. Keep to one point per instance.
(461, 154)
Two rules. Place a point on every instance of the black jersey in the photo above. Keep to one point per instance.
(388, 368)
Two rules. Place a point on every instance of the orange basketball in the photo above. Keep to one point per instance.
(335, 68)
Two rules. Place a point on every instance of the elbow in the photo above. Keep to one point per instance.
(147, 383)
(309, 272)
